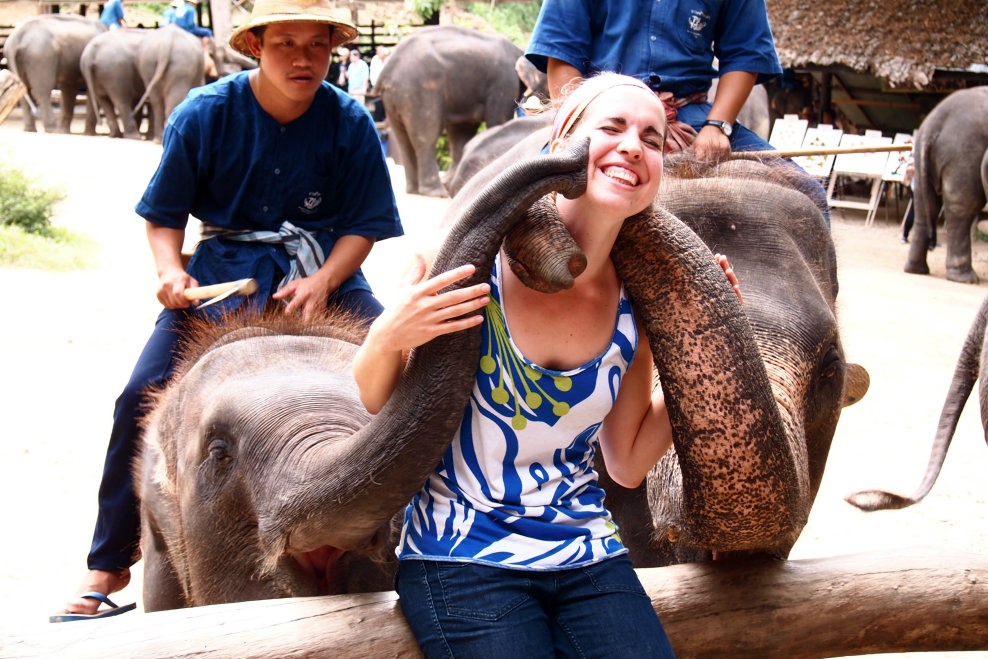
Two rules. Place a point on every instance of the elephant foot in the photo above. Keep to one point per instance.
(962, 276)
(916, 268)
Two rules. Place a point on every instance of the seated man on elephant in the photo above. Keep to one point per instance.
(671, 47)
(286, 173)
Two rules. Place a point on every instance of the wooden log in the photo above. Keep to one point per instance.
(908, 601)
(12, 91)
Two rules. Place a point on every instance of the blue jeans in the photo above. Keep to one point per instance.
(472, 610)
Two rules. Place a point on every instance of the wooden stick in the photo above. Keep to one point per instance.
(822, 151)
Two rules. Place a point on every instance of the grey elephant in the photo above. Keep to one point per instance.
(972, 366)
(171, 62)
(44, 53)
(261, 473)
(445, 78)
(951, 157)
(485, 147)
(109, 67)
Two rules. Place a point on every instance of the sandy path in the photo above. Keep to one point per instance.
(70, 341)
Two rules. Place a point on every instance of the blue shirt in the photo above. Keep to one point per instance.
(517, 486)
(357, 73)
(185, 18)
(229, 163)
(112, 13)
(675, 40)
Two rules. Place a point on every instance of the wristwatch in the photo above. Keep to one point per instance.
(725, 126)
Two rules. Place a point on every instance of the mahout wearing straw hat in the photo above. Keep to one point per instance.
(267, 12)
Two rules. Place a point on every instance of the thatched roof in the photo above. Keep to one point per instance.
(902, 41)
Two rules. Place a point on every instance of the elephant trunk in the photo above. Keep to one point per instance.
(380, 468)
(738, 488)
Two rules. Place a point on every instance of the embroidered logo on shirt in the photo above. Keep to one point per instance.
(311, 203)
(697, 21)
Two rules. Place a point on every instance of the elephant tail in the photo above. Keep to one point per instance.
(966, 373)
(9, 48)
(161, 65)
(86, 66)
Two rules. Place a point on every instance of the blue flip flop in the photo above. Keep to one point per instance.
(105, 613)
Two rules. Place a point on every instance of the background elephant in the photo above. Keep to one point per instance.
(109, 66)
(536, 83)
(486, 146)
(44, 53)
(951, 149)
(170, 61)
(972, 366)
(445, 77)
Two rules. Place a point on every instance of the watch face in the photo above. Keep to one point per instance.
(727, 128)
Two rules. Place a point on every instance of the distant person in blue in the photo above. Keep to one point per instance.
(183, 14)
(357, 75)
(112, 15)
(671, 46)
(297, 206)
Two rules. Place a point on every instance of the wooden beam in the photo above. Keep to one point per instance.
(907, 601)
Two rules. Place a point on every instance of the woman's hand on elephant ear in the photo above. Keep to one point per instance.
(425, 310)
(731, 277)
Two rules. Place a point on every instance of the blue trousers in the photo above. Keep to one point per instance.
(743, 139)
(475, 611)
(116, 537)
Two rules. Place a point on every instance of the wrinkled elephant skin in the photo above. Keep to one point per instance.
(951, 154)
(109, 66)
(445, 78)
(44, 52)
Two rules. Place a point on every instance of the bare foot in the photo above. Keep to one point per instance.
(100, 581)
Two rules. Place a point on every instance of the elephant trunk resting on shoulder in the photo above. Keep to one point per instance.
(262, 472)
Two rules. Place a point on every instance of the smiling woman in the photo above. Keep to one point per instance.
(508, 541)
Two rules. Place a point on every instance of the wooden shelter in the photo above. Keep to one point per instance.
(883, 63)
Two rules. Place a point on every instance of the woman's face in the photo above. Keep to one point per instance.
(626, 126)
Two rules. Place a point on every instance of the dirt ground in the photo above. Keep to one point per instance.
(72, 338)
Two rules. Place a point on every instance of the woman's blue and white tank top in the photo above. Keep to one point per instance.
(517, 487)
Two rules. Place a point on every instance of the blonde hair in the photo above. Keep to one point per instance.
(580, 96)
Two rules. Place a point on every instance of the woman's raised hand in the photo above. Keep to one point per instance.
(423, 313)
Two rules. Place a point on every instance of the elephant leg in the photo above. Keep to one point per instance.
(69, 90)
(41, 88)
(458, 135)
(428, 168)
(407, 151)
(131, 129)
(957, 226)
(926, 206)
(963, 198)
(28, 113)
(158, 117)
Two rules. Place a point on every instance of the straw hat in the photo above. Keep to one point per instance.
(267, 12)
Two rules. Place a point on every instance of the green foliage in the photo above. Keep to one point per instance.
(515, 20)
(424, 8)
(24, 202)
(58, 249)
(442, 152)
